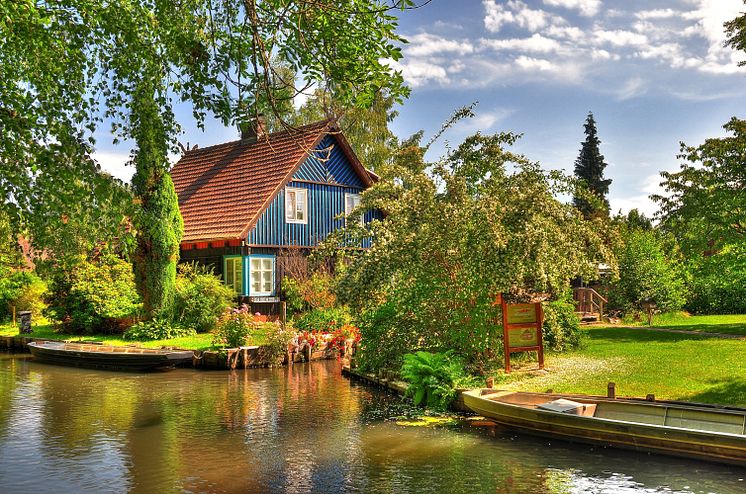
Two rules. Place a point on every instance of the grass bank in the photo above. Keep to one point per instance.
(700, 368)
(200, 341)
(727, 324)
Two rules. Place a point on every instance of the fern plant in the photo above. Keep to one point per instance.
(432, 378)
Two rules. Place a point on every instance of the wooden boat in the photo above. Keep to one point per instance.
(108, 357)
(692, 430)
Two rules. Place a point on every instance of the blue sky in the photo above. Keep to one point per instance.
(653, 73)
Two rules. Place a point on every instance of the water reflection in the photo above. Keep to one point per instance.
(298, 429)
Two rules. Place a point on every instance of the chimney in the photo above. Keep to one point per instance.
(253, 130)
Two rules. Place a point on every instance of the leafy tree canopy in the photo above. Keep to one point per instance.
(69, 65)
(457, 233)
(705, 201)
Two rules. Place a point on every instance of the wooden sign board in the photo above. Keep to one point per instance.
(522, 330)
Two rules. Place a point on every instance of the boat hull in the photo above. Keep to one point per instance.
(108, 358)
(677, 441)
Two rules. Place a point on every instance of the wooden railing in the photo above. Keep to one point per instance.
(588, 301)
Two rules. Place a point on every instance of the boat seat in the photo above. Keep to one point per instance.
(569, 407)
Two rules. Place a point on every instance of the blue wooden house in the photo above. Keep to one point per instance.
(247, 203)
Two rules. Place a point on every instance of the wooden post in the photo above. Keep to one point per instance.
(539, 323)
(611, 390)
(14, 316)
(506, 338)
(283, 313)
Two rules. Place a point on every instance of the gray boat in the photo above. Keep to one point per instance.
(108, 357)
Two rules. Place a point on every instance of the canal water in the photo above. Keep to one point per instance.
(299, 429)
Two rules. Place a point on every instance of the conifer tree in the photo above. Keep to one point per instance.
(589, 167)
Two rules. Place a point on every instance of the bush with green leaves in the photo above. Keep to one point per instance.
(24, 290)
(276, 341)
(719, 282)
(432, 378)
(200, 298)
(97, 296)
(325, 320)
(561, 328)
(312, 292)
(156, 329)
(650, 267)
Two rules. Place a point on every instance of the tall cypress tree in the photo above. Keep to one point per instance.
(158, 221)
(589, 167)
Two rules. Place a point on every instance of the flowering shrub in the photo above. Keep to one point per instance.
(307, 338)
(341, 335)
(236, 327)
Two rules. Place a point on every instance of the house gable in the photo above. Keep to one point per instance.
(329, 164)
(327, 175)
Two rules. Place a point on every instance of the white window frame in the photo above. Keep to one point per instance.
(261, 258)
(356, 204)
(296, 191)
(238, 276)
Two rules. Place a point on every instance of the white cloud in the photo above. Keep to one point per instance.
(419, 72)
(516, 12)
(536, 43)
(425, 44)
(657, 14)
(620, 37)
(568, 32)
(587, 8)
(529, 63)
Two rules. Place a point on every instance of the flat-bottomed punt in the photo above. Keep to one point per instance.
(108, 357)
(692, 430)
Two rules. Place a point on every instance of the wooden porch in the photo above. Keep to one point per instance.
(589, 304)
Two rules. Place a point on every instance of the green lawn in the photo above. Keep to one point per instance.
(729, 324)
(201, 341)
(670, 365)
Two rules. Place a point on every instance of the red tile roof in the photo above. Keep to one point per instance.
(223, 189)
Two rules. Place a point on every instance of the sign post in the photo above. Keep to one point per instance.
(522, 330)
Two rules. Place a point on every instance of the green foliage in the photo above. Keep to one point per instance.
(704, 202)
(23, 290)
(650, 267)
(309, 293)
(589, 167)
(156, 329)
(719, 282)
(324, 320)
(97, 296)
(480, 222)
(276, 341)
(159, 222)
(432, 378)
(561, 328)
(200, 298)
(11, 256)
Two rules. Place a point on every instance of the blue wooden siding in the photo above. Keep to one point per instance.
(326, 202)
(329, 166)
